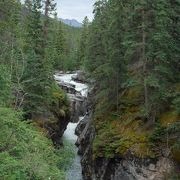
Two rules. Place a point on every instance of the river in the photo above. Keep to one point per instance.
(74, 172)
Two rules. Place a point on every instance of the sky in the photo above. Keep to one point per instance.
(75, 9)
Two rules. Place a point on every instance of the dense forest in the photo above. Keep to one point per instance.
(130, 56)
(32, 46)
(131, 50)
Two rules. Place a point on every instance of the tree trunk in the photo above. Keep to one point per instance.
(144, 59)
(46, 21)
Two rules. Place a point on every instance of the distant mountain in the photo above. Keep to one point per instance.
(71, 22)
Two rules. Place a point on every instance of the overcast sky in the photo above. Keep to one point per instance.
(75, 9)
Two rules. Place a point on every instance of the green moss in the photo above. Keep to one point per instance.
(58, 110)
(167, 130)
(127, 130)
(119, 134)
(59, 102)
(168, 118)
(132, 96)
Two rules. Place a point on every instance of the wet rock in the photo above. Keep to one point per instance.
(82, 124)
(53, 122)
(79, 77)
(67, 87)
(85, 141)
(118, 168)
(78, 102)
(127, 167)
(78, 107)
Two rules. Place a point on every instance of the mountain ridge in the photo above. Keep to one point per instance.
(71, 22)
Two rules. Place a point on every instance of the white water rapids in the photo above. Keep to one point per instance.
(67, 78)
(74, 172)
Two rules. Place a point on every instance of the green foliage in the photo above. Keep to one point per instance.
(174, 175)
(158, 133)
(119, 135)
(72, 34)
(5, 86)
(66, 155)
(176, 102)
(62, 46)
(134, 36)
(29, 50)
(83, 46)
(166, 137)
(59, 102)
(9, 15)
(132, 53)
(174, 131)
(58, 47)
(37, 65)
(24, 152)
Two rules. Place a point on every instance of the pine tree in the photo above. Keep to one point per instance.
(96, 54)
(60, 45)
(83, 41)
(115, 48)
(36, 65)
(105, 54)
(49, 8)
(10, 49)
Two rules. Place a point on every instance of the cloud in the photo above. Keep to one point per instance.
(75, 9)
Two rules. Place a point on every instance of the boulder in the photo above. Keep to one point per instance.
(67, 87)
(79, 77)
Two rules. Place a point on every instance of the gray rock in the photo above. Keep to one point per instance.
(79, 77)
(82, 124)
(117, 168)
(78, 107)
(67, 87)
(152, 167)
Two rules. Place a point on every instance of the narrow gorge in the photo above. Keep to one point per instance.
(77, 92)
(82, 133)
(90, 90)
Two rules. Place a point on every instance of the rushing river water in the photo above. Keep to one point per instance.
(74, 172)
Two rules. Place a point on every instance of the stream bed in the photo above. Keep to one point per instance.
(75, 170)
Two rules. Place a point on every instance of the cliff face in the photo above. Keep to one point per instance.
(54, 120)
(66, 105)
(86, 132)
(127, 167)
(125, 147)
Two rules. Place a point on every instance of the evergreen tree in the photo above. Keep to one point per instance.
(115, 48)
(39, 70)
(152, 43)
(83, 41)
(134, 36)
(60, 45)
(35, 56)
